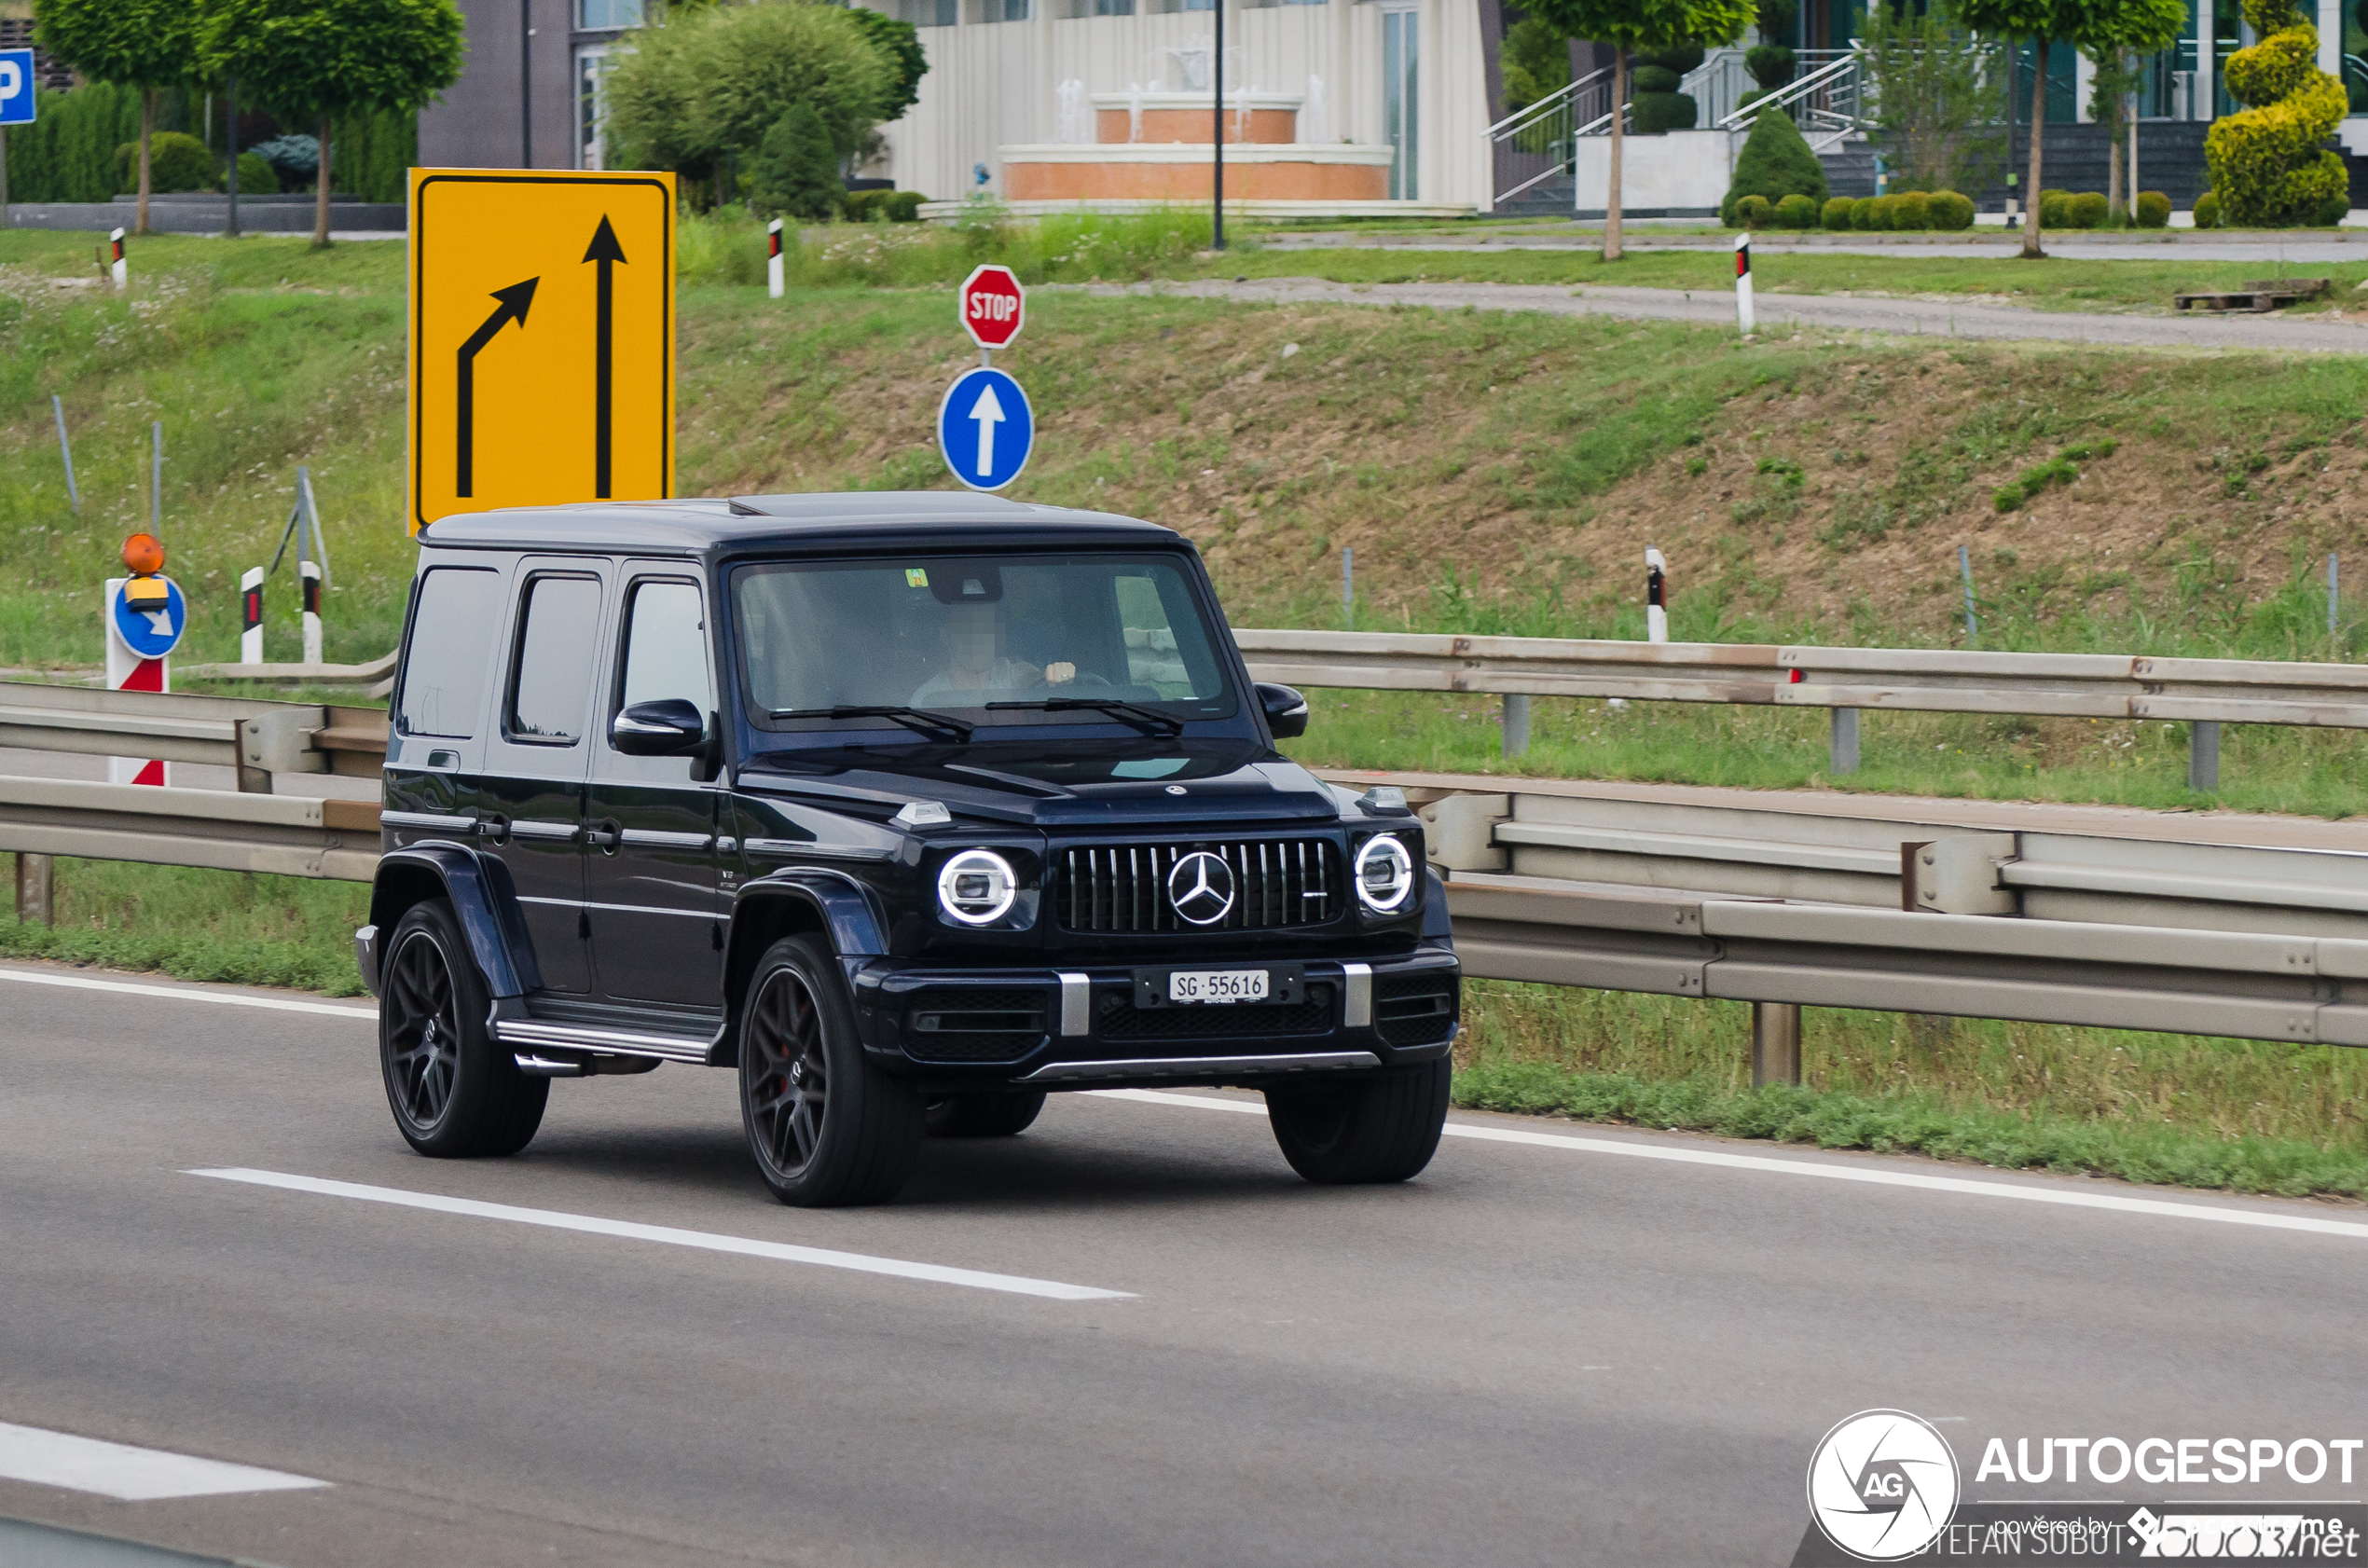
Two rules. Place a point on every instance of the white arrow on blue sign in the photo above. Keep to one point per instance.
(985, 429)
(151, 633)
(16, 87)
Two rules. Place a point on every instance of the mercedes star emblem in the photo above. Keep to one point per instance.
(1199, 888)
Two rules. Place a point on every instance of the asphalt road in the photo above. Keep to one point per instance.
(1593, 1347)
(1783, 314)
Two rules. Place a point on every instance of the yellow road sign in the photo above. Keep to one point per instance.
(542, 338)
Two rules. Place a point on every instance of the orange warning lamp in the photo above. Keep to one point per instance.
(145, 557)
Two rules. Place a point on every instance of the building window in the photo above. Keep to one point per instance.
(1016, 10)
(928, 13)
(605, 15)
(592, 105)
(1102, 7)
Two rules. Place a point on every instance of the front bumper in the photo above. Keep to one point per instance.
(1083, 1028)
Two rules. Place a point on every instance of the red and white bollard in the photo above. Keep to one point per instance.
(1744, 282)
(308, 575)
(251, 616)
(1656, 597)
(774, 283)
(145, 616)
(118, 269)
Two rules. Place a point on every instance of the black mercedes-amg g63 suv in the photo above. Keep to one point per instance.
(910, 807)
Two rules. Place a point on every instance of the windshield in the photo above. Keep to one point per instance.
(1013, 639)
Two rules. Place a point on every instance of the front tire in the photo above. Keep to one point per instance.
(828, 1128)
(1382, 1128)
(996, 1114)
(455, 1091)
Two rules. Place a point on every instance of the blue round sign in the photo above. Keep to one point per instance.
(151, 633)
(985, 428)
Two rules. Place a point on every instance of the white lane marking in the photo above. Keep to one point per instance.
(61, 1458)
(178, 993)
(939, 1274)
(2157, 1207)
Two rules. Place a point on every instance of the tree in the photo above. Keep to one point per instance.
(2270, 164)
(312, 61)
(2114, 79)
(145, 44)
(1775, 163)
(1642, 24)
(1536, 62)
(900, 47)
(795, 170)
(709, 84)
(1938, 99)
(2143, 25)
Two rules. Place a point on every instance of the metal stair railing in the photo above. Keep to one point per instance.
(1534, 144)
(1825, 103)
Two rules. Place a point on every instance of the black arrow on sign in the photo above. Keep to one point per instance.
(608, 253)
(514, 300)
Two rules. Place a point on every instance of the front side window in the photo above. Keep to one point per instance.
(452, 649)
(954, 636)
(666, 646)
(551, 682)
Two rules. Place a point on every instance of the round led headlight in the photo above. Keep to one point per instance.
(1385, 875)
(977, 887)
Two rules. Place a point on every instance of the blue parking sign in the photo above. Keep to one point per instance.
(985, 428)
(16, 87)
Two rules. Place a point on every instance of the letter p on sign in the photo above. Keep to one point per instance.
(992, 306)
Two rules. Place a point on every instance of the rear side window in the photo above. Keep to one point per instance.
(558, 629)
(451, 649)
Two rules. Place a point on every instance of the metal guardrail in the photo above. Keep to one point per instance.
(216, 828)
(2205, 693)
(257, 736)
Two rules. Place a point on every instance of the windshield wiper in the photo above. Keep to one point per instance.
(1150, 719)
(921, 718)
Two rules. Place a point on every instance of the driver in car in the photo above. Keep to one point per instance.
(977, 670)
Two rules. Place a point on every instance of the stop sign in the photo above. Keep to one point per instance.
(992, 306)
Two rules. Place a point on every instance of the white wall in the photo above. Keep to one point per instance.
(993, 83)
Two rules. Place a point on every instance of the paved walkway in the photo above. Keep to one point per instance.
(1786, 313)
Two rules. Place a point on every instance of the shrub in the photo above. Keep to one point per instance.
(2153, 208)
(1655, 113)
(2268, 161)
(1775, 163)
(1862, 213)
(1883, 213)
(2332, 211)
(1949, 210)
(176, 162)
(1654, 78)
(1836, 213)
(1770, 64)
(1748, 99)
(2207, 210)
(1913, 212)
(1681, 59)
(2052, 212)
(1797, 211)
(2087, 210)
(882, 206)
(795, 172)
(296, 156)
(256, 176)
(1753, 212)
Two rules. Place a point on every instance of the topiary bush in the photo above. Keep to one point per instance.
(296, 155)
(176, 162)
(1947, 210)
(1883, 213)
(1862, 213)
(2207, 210)
(2087, 210)
(1753, 212)
(1836, 213)
(2153, 209)
(1652, 80)
(1771, 65)
(2053, 210)
(1797, 211)
(1775, 163)
(1655, 114)
(2269, 164)
(1911, 209)
(256, 177)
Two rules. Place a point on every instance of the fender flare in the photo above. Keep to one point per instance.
(832, 902)
(1437, 930)
(482, 896)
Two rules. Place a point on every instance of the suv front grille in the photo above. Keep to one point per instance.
(1277, 882)
(1121, 1019)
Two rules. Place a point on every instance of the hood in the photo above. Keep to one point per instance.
(1154, 782)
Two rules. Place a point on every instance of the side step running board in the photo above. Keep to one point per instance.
(535, 1035)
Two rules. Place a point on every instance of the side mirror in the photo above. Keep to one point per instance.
(1286, 710)
(672, 728)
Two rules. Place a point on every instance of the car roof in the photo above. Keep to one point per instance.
(793, 522)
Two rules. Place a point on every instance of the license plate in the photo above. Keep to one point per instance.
(1217, 985)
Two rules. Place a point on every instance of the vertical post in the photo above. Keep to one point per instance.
(773, 278)
(156, 478)
(1656, 597)
(65, 450)
(1843, 745)
(1965, 568)
(1217, 167)
(526, 84)
(1775, 1043)
(4, 221)
(1743, 281)
(1516, 723)
(36, 889)
(118, 269)
(2203, 755)
(2331, 594)
(251, 616)
(230, 107)
(312, 521)
(309, 574)
(1348, 588)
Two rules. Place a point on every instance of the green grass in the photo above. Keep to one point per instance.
(232, 926)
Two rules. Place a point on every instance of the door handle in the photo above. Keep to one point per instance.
(606, 834)
(494, 826)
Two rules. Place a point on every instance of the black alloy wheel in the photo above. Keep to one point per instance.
(1380, 1128)
(828, 1127)
(454, 1090)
